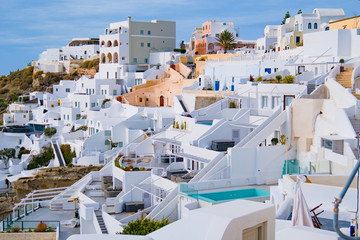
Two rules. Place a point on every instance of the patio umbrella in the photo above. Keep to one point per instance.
(301, 214)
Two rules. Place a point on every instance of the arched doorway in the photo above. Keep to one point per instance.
(162, 103)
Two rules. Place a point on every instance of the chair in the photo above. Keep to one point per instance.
(315, 218)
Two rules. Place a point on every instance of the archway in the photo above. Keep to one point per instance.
(162, 101)
(103, 58)
(116, 57)
(102, 44)
(116, 43)
(109, 56)
(109, 44)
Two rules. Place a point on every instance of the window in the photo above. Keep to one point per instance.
(75, 104)
(140, 99)
(297, 39)
(93, 91)
(275, 102)
(146, 60)
(149, 32)
(327, 29)
(315, 25)
(309, 26)
(114, 92)
(142, 32)
(296, 27)
(86, 104)
(264, 101)
(288, 99)
(67, 90)
(92, 104)
(24, 116)
(138, 81)
(64, 117)
(68, 117)
(326, 144)
(199, 81)
(108, 133)
(142, 44)
(56, 89)
(268, 70)
(122, 58)
(237, 35)
(149, 44)
(135, 60)
(224, 24)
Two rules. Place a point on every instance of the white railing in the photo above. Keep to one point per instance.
(258, 130)
(164, 203)
(207, 169)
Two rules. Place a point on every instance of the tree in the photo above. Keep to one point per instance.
(6, 154)
(226, 40)
(144, 226)
(287, 15)
(300, 11)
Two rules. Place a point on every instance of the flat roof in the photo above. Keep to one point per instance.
(358, 16)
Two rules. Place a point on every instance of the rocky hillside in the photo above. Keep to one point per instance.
(30, 79)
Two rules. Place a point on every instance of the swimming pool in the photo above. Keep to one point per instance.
(230, 195)
(205, 123)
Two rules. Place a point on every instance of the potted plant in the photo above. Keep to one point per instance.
(274, 141)
(342, 68)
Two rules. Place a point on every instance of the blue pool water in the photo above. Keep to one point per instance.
(205, 123)
(231, 195)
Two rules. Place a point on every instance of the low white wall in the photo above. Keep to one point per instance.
(112, 225)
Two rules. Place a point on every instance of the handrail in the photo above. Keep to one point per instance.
(321, 55)
(338, 202)
(259, 128)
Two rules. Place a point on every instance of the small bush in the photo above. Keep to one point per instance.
(49, 131)
(144, 226)
(274, 141)
(22, 151)
(289, 79)
(341, 61)
(67, 153)
(41, 227)
(42, 159)
(259, 79)
(232, 105)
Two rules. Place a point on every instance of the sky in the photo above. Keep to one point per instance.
(27, 28)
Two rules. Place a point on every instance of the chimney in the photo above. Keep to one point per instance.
(129, 18)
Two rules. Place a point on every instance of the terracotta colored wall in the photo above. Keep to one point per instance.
(351, 23)
(150, 93)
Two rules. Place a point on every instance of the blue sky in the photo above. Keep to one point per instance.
(29, 27)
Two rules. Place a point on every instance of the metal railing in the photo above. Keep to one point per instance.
(28, 225)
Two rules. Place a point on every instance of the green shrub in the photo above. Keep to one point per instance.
(22, 151)
(342, 61)
(67, 153)
(232, 105)
(105, 101)
(144, 226)
(181, 50)
(49, 131)
(278, 78)
(83, 127)
(41, 159)
(274, 141)
(288, 79)
(259, 79)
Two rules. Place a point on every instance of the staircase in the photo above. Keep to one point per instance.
(344, 78)
(58, 154)
(101, 223)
